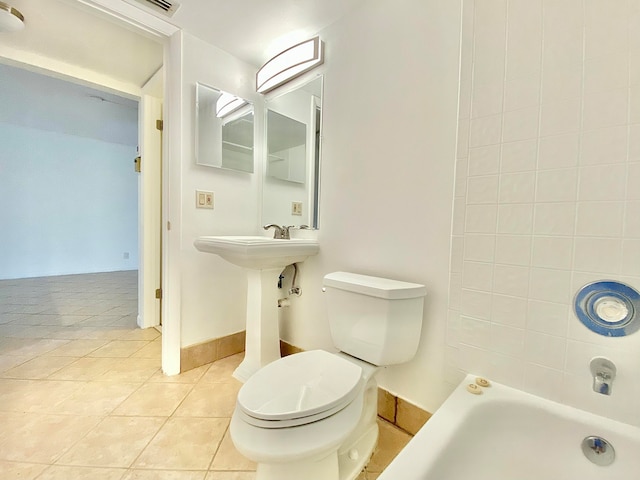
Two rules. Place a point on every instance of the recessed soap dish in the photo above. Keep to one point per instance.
(608, 308)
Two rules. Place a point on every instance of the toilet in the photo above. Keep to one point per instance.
(312, 415)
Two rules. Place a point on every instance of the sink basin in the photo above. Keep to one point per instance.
(258, 253)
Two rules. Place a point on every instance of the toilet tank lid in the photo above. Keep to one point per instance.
(374, 286)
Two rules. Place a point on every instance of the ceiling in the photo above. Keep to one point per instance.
(251, 30)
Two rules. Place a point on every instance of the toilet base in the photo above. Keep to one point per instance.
(341, 465)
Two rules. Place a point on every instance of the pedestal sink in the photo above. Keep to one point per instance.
(263, 259)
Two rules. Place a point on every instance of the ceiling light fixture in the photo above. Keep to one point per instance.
(227, 104)
(290, 64)
(11, 20)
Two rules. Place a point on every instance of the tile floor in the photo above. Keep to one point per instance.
(82, 395)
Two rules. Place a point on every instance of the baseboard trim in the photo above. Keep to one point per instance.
(202, 353)
(396, 410)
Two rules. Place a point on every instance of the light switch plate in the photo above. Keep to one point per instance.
(204, 199)
(296, 208)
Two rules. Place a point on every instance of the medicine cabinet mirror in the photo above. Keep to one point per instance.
(293, 147)
(224, 130)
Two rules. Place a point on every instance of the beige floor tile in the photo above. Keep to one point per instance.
(38, 438)
(10, 361)
(184, 444)
(152, 350)
(131, 370)
(390, 442)
(210, 400)
(154, 399)
(163, 475)
(59, 472)
(31, 347)
(84, 369)
(39, 367)
(77, 348)
(119, 348)
(228, 458)
(192, 376)
(94, 398)
(18, 395)
(147, 334)
(231, 476)
(222, 370)
(116, 442)
(22, 471)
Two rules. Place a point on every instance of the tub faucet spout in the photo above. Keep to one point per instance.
(603, 371)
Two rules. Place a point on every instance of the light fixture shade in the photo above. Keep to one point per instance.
(11, 20)
(228, 103)
(289, 64)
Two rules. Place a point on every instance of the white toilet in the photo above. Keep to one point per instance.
(312, 415)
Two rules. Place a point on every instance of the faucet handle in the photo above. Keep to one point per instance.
(279, 232)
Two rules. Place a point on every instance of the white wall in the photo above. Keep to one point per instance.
(546, 195)
(213, 292)
(69, 204)
(389, 120)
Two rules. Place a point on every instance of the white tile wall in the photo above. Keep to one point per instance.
(550, 197)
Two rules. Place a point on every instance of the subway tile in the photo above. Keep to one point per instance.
(605, 109)
(557, 185)
(600, 219)
(511, 280)
(561, 83)
(479, 247)
(475, 304)
(550, 285)
(632, 219)
(634, 143)
(485, 131)
(547, 317)
(552, 252)
(631, 257)
(558, 151)
(598, 255)
(457, 253)
(634, 104)
(545, 350)
(554, 218)
(560, 117)
(453, 328)
(518, 156)
(481, 218)
(524, 37)
(477, 276)
(462, 148)
(484, 160)
(522, 92)
(606, 73)
(508, 310)
(520, 124)
(602, 182)
(482, 190)
(506, 369)
(513, 250)
(476, 360)
(475, 332)
(633, 181)
(543, 382)
(604, 146)
(605, 28)
(455, 290)
(487, 99)
(459, 216)
(515, 218)
(517, 187)
(507, 340)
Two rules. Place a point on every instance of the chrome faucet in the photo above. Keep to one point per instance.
(283, 232)
(603, 371)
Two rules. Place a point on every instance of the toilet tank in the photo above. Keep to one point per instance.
(374, 319)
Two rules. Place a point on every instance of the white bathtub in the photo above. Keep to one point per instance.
(506, 434)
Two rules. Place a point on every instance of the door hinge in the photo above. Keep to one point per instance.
(159, 293)
(159, 125)
(137, 162)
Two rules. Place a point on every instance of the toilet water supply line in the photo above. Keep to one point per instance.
(294, 290)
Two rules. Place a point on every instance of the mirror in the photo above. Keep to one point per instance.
(293, 133)
(224, 130)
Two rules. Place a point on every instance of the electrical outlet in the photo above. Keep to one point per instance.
(204, 199)
(296, 208)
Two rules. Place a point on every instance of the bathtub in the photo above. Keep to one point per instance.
(506, 434)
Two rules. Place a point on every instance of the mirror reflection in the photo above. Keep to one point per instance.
(293, 133)
(224, 130)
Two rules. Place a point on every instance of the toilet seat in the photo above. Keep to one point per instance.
(299, 389)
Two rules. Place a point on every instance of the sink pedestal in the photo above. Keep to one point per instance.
(262, 345)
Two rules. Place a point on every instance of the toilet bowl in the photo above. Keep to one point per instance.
(312, 415)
